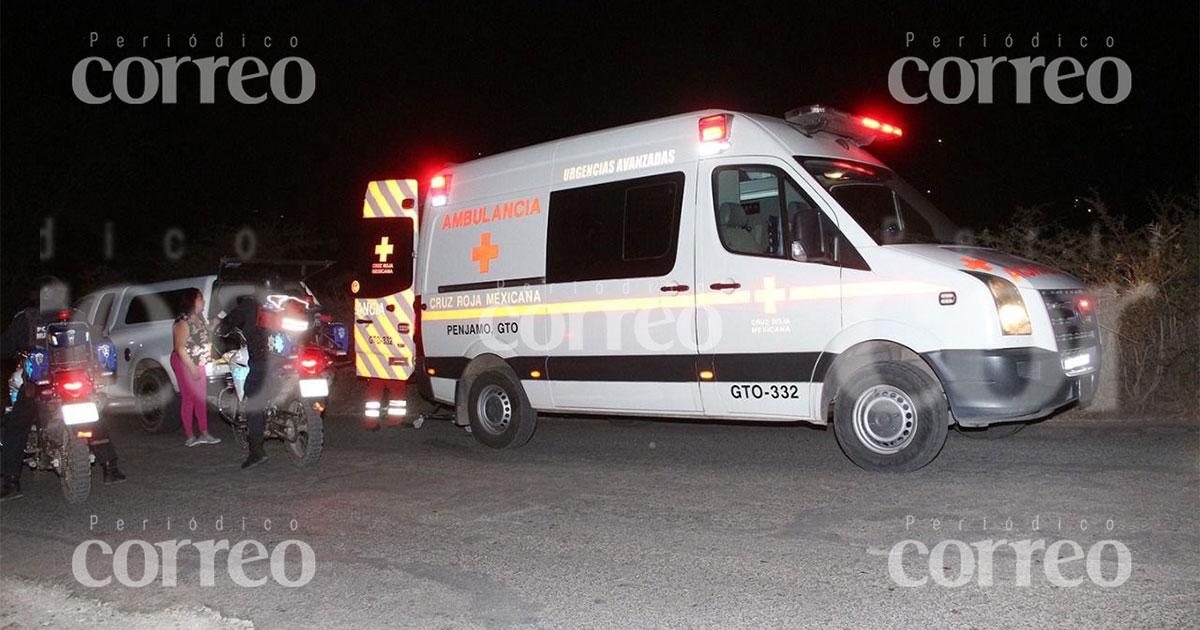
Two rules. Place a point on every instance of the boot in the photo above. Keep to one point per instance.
(10, 488)
(256, 456)
(112, 474)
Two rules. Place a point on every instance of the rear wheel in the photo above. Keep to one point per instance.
(157, 403)
(305, 438)
(499, 411)
(890, 417)
(75, 469)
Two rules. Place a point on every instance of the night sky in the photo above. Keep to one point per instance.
(400, 90)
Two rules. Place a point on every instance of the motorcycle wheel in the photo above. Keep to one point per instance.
(308, 431)
(75, 469)
(230, 409)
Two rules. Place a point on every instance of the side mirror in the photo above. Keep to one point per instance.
(809, 236)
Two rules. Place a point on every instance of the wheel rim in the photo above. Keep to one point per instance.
(885, 419)
(149, 403)
(494, 409)
(297, 429)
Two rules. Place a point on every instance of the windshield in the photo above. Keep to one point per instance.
(887, 207)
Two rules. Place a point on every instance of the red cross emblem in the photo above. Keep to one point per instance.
(485, 252)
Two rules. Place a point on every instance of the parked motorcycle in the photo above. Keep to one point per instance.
(67, 377)
(305, 347)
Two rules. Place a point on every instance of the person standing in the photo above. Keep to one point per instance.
(192, 353)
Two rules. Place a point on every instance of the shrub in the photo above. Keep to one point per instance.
(1146, 282)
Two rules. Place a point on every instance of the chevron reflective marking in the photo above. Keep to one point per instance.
(385, 199)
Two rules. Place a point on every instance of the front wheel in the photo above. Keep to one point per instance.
(499, 411)
(305, 433)
(75, 469)
(890, 417)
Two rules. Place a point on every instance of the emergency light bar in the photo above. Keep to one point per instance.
(861, 130)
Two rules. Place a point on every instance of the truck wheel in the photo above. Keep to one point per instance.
(75, 469)
(993, 432)
(890, 417)
(499, 411)
(157, 403)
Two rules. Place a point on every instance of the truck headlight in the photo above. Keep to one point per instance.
(1010, 308)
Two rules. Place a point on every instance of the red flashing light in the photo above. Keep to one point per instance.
(439, 190)
(872, 123)
(1085, 305)
(64, 315)
(714, 128)
(72, 384)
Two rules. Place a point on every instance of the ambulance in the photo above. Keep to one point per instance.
(714, 265)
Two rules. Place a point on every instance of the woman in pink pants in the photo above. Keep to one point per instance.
(193, 350)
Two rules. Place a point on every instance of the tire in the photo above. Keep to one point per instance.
(993, 432)
(499, 411)
(305, 450)
(75, 469)
(228, 407)
(891, 417)
(157, 402)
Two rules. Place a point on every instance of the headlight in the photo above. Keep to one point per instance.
(1010, 308)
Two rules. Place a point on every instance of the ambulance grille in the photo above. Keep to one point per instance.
(1072, 329)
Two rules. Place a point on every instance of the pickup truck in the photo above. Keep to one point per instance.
(138, 320)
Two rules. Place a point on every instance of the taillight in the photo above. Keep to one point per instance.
(72, 384)
(311, 361)
(439, 190)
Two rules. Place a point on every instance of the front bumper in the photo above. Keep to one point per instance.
(989, 386)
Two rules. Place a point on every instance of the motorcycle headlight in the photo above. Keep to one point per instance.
(1010, 308)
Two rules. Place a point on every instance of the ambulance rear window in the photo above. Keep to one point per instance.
(625, 229)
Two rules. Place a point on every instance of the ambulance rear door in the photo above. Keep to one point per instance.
(384, 319)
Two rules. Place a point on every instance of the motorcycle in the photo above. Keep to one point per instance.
(304, 350)
(67, 378)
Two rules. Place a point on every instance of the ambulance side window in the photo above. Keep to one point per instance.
(760, 211)
(624, 229)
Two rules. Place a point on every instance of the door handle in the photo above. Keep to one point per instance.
(364, 321)
(725, 286)
(674, 288)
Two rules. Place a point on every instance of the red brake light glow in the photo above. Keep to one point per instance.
(311, 361)
(72, 384)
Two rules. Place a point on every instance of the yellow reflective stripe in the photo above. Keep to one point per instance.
(744, 296)
(380, 200)
(394, 186)
(589, 306)
(360, 366)
(365, 350)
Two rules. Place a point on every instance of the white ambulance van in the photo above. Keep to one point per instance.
(733, 266)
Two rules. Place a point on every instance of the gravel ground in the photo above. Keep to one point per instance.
(599, 524)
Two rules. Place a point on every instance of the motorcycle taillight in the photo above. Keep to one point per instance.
(72, 384)
(311, 361)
